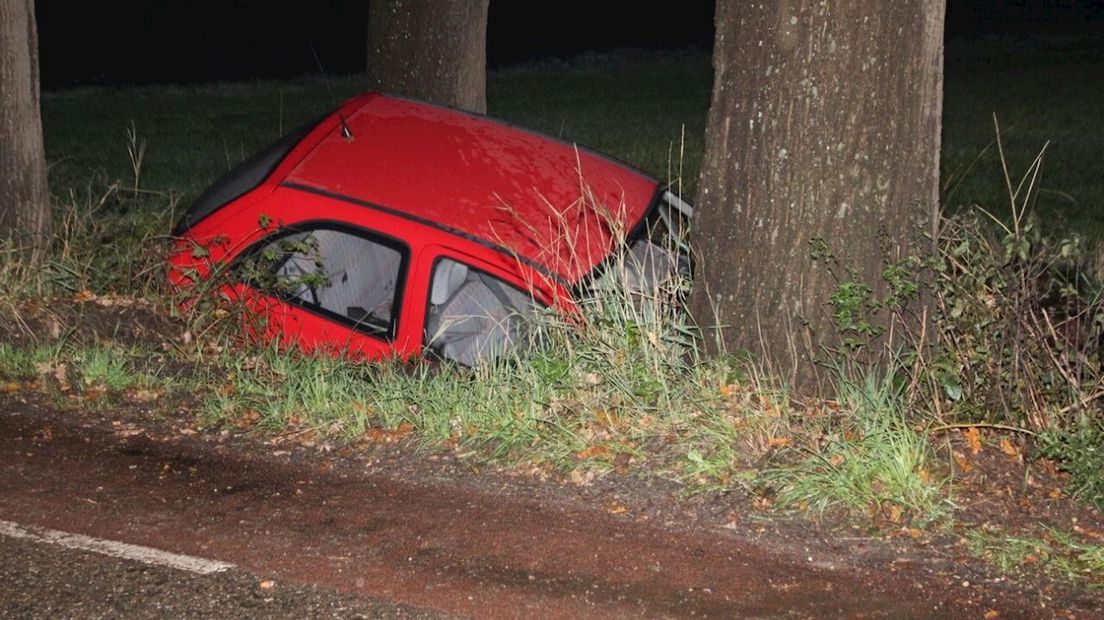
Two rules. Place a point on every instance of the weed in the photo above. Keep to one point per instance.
(99, 245)
(869, 459)
(1018, 319)
(109, 367)
(1056, 553)
(1080, 451)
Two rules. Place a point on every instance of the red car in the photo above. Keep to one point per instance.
(392, 226)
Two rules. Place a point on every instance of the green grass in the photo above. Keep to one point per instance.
(608, 386)
(869, 460)
(278, 390)
(111, 367)
(625, 385)
(1056, 553)
(23, 363)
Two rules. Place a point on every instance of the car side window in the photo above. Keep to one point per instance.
(343, 274)
(473, 316)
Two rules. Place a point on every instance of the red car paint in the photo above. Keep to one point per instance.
(532, 211)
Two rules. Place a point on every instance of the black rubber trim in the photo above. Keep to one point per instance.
(421, 220)
(244, 177)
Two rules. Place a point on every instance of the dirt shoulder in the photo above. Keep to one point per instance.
(444, 530)
(476, 547)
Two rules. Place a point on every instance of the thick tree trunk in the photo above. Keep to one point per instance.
(434, 50)
(824, 125)
(24, 201)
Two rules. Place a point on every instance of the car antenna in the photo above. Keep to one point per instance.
(345, 131)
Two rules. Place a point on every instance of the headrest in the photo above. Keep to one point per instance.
(447, 277)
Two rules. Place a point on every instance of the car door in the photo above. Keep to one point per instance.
(475, 310)
(328, 286)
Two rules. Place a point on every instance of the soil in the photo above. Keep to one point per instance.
(440, 530)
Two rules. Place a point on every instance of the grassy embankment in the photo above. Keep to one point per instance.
(628, 391)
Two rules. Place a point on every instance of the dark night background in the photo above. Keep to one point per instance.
(183, 41)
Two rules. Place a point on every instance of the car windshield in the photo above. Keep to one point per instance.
(656, 259)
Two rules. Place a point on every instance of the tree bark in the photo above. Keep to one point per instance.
(24, 198)
(824, 125)
(435, 50)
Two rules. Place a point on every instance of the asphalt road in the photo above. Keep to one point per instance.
(42, 580)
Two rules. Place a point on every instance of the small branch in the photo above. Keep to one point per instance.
(1081, 403)
(1003, 427)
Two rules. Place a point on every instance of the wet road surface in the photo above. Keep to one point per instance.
(414, 543)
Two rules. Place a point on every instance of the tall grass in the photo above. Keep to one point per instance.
(869, 458)
(100, 244)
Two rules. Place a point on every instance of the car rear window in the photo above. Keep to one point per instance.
(242, 178)
(472, 316)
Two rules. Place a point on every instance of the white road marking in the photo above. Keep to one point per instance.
(126, 551)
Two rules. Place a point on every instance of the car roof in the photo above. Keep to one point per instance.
(555, 205)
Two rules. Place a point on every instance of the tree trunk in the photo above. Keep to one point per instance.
(24, 199)
(824, 126)
(435, 50)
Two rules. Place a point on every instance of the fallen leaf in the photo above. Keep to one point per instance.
(248, 418)
(616, 508)
(973, 438)
(778, 442)
(582, 478)
(894, 512)
(924, 475)
(93, 394)
(963, 464)
(608, 418)
(145, 396)
(762, 503)
(60, 373)
(729, 389)
(1009, 449)
(387, 436)
(592, 452)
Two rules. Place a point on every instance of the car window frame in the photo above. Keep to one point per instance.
(388, 336)
(474, 264)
